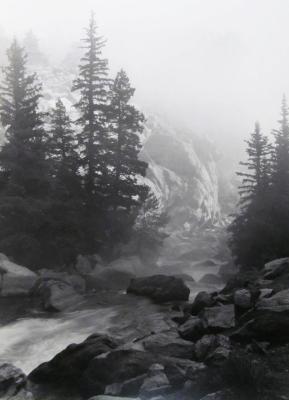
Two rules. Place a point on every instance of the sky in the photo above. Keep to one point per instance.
(212, 66)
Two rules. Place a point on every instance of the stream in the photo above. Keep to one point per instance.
(29, 337)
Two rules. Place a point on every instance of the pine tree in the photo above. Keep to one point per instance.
(93, 85)
(279, 212)
(63, 149)
(251, 228)
(24, 178)
(126, 192)
(126, 125)
(65, 230)
(280, 176)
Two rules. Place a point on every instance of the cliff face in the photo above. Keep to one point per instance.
(183, 174)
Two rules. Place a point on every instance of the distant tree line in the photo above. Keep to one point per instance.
(260, 229)
(69, 187)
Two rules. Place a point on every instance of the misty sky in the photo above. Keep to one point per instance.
(212, 65)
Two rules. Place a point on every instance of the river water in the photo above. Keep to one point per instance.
(29, 337)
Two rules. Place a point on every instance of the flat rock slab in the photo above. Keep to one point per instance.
(160, 288)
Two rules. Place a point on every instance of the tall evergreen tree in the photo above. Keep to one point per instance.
(279, 212)
(251, 228)
(24, 177)
(64, 240)
(280, 176)
(93, 85)
(63, 151)
(126, 192)
(126, 125)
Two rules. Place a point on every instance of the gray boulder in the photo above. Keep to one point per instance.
(12, 380)
(208, 344)
(169, 344)
(58, 296)
(219, 318)
(243, 298)
(275, 268)
(202, 300)
(68, 365)
(74, 280)
(160, 288)
(117, 367)
(156, 382)
(15, 279)
(193, 329)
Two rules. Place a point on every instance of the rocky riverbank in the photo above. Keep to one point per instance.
(227, 344)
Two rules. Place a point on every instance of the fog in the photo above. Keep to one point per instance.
(212, 66)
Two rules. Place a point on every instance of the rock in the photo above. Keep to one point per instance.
(169, 344)
(277, 300)
(67, 366)
(208, 343)
(218, 356)
(118, 366)
(220, 317)
(264, 293)
(275, 268)
(242, 298)
(180, 370)
(160, 288)
(211, 279)
(202, 300)
(243, 280)
(156, 383)
(108, 279)
(15, 280)
(12, 380)
(58, 296)
(192, 329)
(76, 281)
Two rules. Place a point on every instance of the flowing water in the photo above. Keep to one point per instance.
(36, 337)
(29, 337)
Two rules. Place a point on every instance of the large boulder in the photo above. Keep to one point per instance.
(192, 329)
(275, 268)
(169, 344)
(243, 299)
(202, 300)
(269, 320)
(58, 295)
(156, 383)
(117, 367)
(206, 347)
(12, 380)
(15, 279)
(67, 366)
(160, 288)
(74, 280)
(219, 318)
(280, 299)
